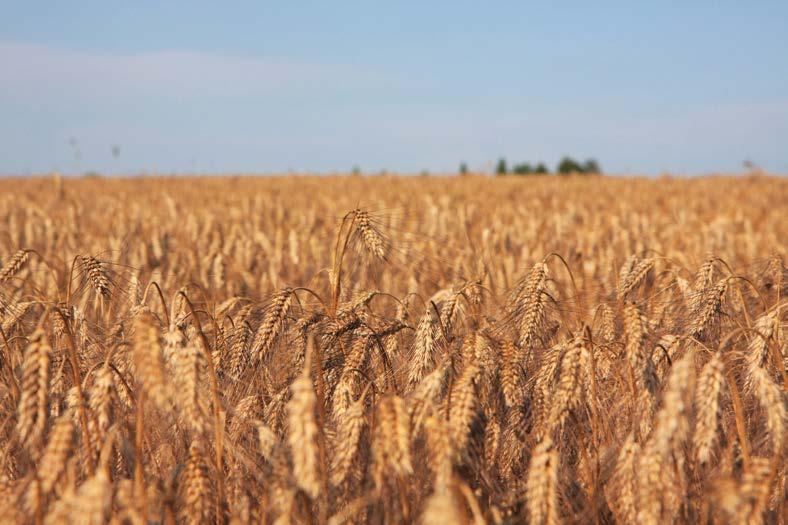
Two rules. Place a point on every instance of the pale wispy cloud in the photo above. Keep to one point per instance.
(33, 70)
(64, 108)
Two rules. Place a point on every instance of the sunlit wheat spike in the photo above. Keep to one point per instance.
(607, 323)
(352, 368)
(425, 345)
(349, 427)
(463, 406)
(634, 329)
(372, 239)
(621, 491)
(267, 440)
(391, 446)
(660, 488)
(448, 311)
(238, 357)
(745, 500)
(96, 275)
(626, 270)
(134, 291)
(33, 407)
(100, 402)
(246, 412)
(14, 264)
(188, 364)
(360, 300)
(492, 440)
(545, 378)
(241, 335)
(768, 330)
(529, 304)
(90, 503)
(707, 406)
(511, 374)
(672, 425)
(704, 278)
(303, 434)
(196, 487)
(567, 391)
(708, 307)
(148, 358)
(634, 277)
(425, 395)
(542, 484)
(58, 448)
(439, 445)
(773, 402)
(755, 484)
(218, 271)
(272, 324)
(442, 507)
(652, 487)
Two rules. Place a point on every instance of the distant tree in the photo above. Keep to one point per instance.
(500, 169)
(569, 165)
(591, 166)
(463, 168)
(356, 170)
(565, 166)
(541, 169)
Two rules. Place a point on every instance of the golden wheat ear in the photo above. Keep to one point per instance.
(349, 427)
(372, 240)
(707, 407)
(148, 358)
(95, 272)
(33, 408)
(272, 324)
(303, 432)
(196, 487)
(14, 265)
(542, 484)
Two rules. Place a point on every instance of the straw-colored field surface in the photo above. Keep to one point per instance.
(393, 350)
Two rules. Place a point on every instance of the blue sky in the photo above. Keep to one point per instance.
(686, 88)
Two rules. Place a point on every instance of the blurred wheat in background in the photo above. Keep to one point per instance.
(393, 350)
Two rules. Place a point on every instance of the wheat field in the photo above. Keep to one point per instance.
(393, 350)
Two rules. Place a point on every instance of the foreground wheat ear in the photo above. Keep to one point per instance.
(454, 351)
